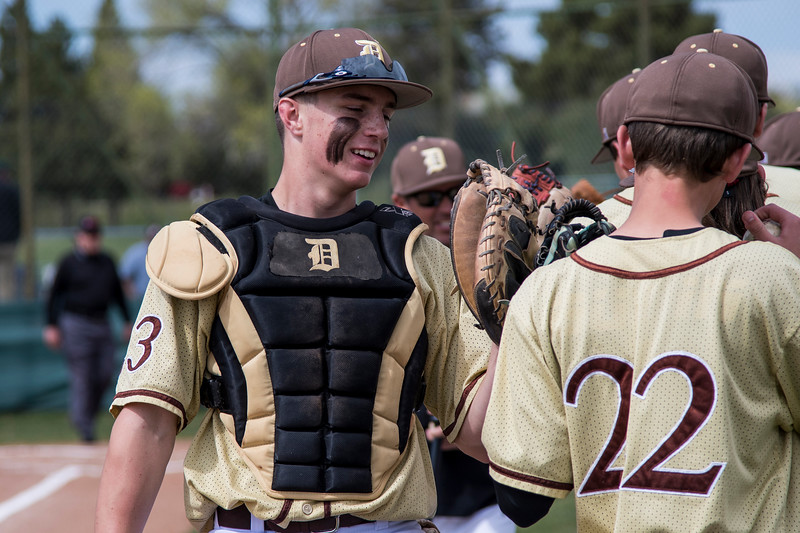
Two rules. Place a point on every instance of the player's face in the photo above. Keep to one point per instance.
(433, 207)
(88, 243)
(346, 132)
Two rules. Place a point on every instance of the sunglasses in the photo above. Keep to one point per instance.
(434, 198)
(351, 68)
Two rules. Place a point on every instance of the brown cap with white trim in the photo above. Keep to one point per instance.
(345, 56)
(697, 89)
(736, 48)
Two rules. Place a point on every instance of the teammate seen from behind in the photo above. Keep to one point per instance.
(684, 418)
(427, 173)
(305, 322)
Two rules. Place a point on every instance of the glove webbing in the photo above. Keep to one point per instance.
(561, 238)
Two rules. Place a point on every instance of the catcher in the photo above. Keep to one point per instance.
(305, 322)
(505, 223)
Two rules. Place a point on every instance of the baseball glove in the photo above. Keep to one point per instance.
(549, 193)
(505, 223)
(493, 241)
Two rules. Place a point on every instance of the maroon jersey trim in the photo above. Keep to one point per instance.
(531, 479)
(159, 396)
(622, 200)
(655, 274)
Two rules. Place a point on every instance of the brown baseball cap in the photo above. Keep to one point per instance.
(736, 48)
(780, 140)
(427, 163)
(697, 89)
(344, 56)
(610, 112)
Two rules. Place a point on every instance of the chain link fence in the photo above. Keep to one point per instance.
(483, 121)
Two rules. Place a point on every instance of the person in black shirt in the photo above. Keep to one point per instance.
(9, 233)
(86, 284)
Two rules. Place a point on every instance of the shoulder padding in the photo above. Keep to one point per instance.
(191, 259)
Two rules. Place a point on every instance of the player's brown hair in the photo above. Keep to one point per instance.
(747, 194)
(697, 153)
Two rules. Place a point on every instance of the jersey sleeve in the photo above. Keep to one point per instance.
(525, 431)
(458, 352)
(166, 354)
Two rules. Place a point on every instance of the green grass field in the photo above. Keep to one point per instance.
(560, 519)
(48, 427)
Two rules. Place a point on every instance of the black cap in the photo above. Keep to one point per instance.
(89, 224)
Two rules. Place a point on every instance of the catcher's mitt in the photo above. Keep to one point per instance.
(539, 180)
(549, 193)
(493, 242)
(505, 223)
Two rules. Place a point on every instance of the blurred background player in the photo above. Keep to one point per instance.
(9, 233)
(426, 175)
(132, 270)
(85, 286)
(780, 143)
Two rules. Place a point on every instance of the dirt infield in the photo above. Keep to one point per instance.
(54, 488)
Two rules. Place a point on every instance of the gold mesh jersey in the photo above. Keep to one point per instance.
(784, 182)
(164, 366)
(780, 201)
(660, 380)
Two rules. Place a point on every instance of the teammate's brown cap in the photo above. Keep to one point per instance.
(736, 48)
(427, 163)
(343, 56)
(780, 141)
(610, 112)
(697, 89)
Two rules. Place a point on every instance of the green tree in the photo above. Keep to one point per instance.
(227, 135)
(67, 132)
(592, 43)
(142, 125)
(589, 45)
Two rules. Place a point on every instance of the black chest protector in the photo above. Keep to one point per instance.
(325, 298)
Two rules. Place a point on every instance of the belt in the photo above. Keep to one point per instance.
(239, 518)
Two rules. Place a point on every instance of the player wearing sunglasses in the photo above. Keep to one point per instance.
(426, 176)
